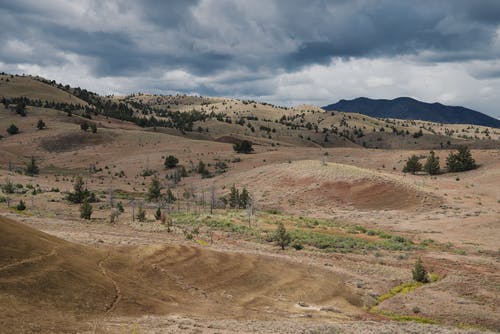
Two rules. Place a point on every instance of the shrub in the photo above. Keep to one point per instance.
(84, 126)
(412, 165)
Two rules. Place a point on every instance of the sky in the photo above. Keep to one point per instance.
(286, 52)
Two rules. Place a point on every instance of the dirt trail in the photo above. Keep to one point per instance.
(31, 260)
(118, 295)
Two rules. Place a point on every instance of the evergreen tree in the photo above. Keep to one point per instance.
(141, 214)
(21, 109)
(120, 208)
(158, 214)
(244, 146)
(154, 191)
(419, 273)
(234, 197)
(282, 237)
(32, 168)
(202, 169)
(12, 129)
(80, 193)
(244, 198)
(93, 127)
(85, 210)
(460, 161)
(412, 165)
(432, 164)
(171, 162)
(84, 126)
(169, 197)
(40, 125)
(21, 206)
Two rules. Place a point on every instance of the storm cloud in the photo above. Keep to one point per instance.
(286, 52)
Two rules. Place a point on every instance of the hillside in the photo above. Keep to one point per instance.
(230, 120)
(408, 108)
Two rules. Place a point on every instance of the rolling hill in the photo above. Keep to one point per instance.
(408, 108)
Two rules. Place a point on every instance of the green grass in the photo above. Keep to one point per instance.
(323, 234)
(345, 243)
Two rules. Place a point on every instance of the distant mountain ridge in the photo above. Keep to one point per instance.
(408, 108)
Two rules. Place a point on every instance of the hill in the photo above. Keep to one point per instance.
(408, 108)
(51, 285)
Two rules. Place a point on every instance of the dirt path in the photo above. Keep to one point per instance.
(118, 295)
(30, 260)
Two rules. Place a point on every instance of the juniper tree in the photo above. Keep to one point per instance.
(85, 210)
(40, 125)
(12, 129)
(412, 165)
(141, 214)
(419, 273)
(234, 197)
(282, 237)
(154, 191)
(460, 161)
(244, 199)
(31, 167)
(171, 162)
(432, 164)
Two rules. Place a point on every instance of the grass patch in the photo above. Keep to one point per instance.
(345, 243)
(400, 289)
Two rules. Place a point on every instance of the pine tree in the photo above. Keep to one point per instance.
(84, 126)
(412, 165)
(419, 273)
(32, 168)
(432, 164)
(154, 191)
(85, 210)
(93, 127)
(282, 237)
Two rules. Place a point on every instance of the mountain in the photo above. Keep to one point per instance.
(408, 108)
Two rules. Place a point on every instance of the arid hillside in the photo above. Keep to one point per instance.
(140, 214)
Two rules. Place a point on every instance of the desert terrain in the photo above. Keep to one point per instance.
(357, 224)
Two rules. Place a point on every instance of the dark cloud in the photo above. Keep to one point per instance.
(241, 45)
